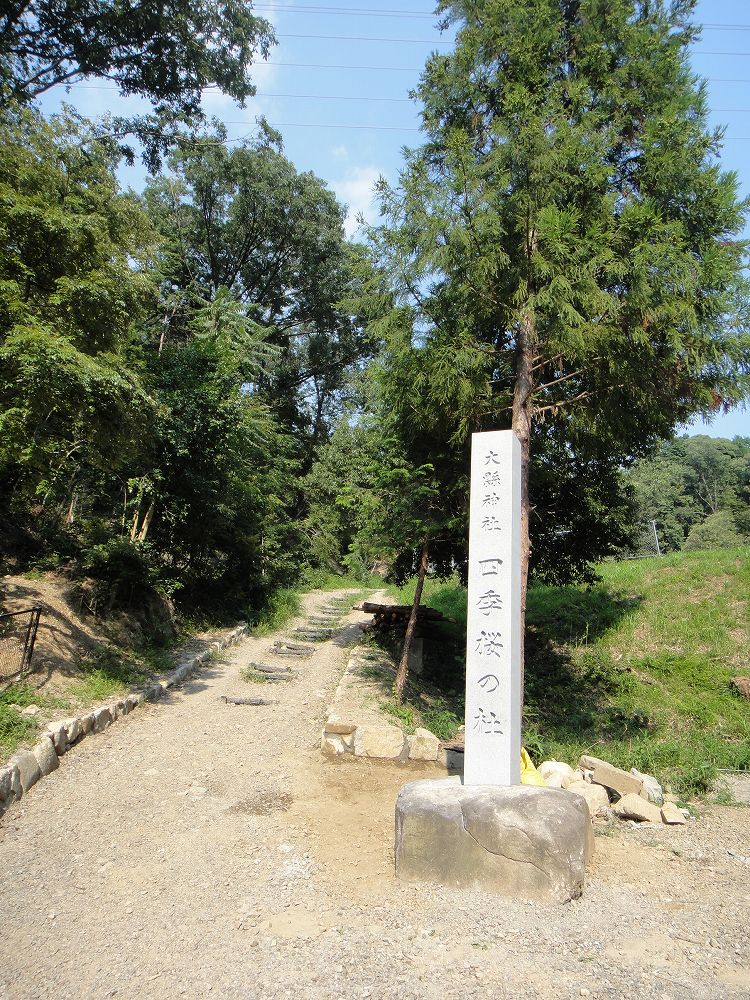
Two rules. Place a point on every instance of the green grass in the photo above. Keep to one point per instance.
(16, 728)
(107, 673)
(323, 579)
(635, 669)
(280, 608)
(251, 676)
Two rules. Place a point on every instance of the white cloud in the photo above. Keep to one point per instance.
(357, 191)
(340, 153)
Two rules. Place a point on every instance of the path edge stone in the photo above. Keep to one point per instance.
(23, 769)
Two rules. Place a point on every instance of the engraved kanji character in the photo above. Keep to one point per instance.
(489, 601)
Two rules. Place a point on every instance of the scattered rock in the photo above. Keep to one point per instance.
(556, 774)
(87, 723)
(45, 755)
(31, 711)
(652, 790)
(379, 741)
(741, 685)
(671, 814)
(611, 777)
(634, 806)
(423, 745)
(28, 768)
(596, 796)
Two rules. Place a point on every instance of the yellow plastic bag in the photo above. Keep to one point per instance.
(529, 774)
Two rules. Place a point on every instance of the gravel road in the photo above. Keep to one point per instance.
(207, 850)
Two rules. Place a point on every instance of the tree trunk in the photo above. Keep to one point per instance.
(403, 667)
(146, 522)
(522, 413)
(71, 515)
(134, 527)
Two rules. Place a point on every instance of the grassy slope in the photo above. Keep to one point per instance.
(636, 668)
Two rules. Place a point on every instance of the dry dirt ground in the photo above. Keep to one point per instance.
(206, 850)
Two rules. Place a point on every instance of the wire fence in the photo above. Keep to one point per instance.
(17, 637)
(646, 542)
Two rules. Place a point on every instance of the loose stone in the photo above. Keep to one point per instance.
(611, 777)
(633, 806)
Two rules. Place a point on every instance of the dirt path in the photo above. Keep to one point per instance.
(201, 849)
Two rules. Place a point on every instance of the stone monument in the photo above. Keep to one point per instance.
(486, 829)
(492, 753)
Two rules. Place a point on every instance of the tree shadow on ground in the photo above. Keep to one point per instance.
(570, 688)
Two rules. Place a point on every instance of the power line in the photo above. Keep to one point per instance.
(262, 93)
(706, 52)
(354, 11)
(366, 128)
(379, 69)
(725, 27)
(421, 15)
(367, 38)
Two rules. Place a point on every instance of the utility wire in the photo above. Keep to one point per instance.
(355, 11)
(368, 38)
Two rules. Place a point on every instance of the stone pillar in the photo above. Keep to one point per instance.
(493, 637)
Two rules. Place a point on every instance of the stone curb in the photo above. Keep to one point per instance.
(386, 742)
(26, 767)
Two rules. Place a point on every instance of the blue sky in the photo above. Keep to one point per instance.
(337, 86)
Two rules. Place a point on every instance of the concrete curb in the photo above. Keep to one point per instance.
(26, 767)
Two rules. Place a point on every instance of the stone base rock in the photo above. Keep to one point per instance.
(379, 741)
(28, 768)
(423, 745)
(526, 842)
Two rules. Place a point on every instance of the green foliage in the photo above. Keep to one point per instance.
(443, 722)
(245, 227)
(277, 610)
(72, 289)
(106, 673)
(166, 54)
(717, 531)
(14, 729)
(695, 488)
(22, 695)
(403, 713)
(251, 676)
(636, 669)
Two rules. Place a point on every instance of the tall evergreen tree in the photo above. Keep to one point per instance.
(565, 238)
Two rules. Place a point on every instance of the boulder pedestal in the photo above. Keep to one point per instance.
(521, 841)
